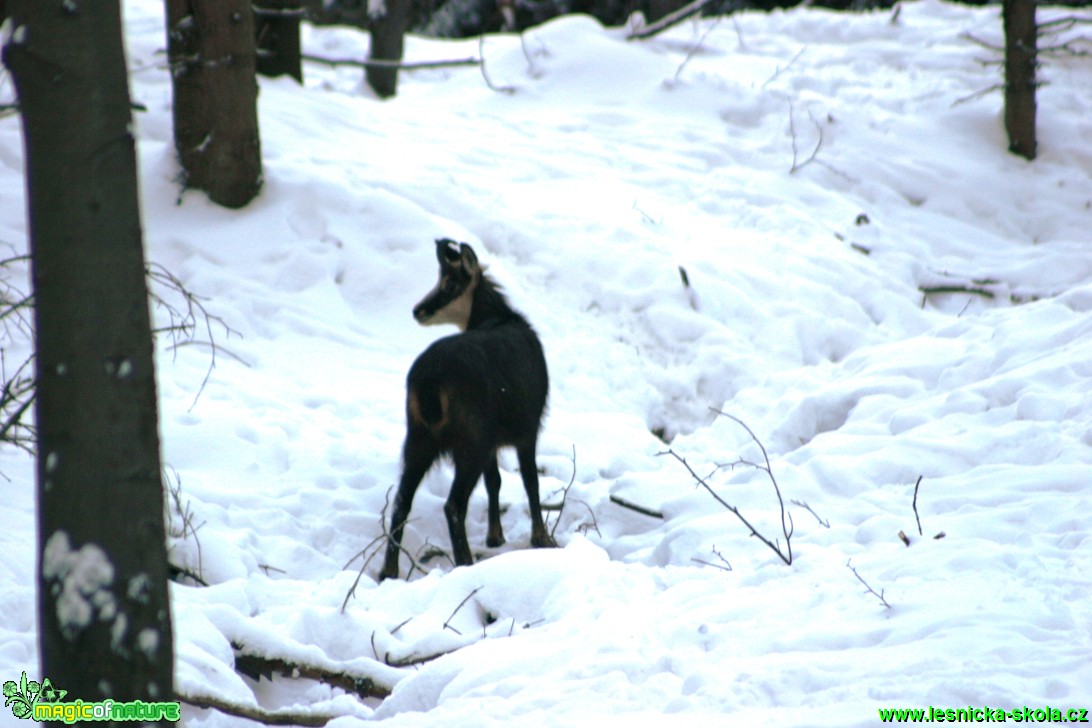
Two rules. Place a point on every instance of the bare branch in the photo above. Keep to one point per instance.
(668, 21)
(173, 483)
(485, 72)
(979, 94)
(806, 507)
(723, 565)
(400, 65)
(878, 595)
(184, 319)
(620, 501)
(257, 666)
(983, 43)
(782, 69)
(696, 47)
(786, 519)
(255, 712)
(796, 165)
(937, 290)
(382, 538)
(447, 622)
(560, 507)
(916, 516)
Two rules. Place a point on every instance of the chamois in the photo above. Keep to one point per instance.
(468, 394)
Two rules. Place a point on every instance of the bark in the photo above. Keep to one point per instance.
(388, 30)
(658, 9)
(1020, 62)
(277, 35)
(104, 614)
(210, 47)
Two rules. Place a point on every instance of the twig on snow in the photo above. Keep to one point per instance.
(782, 69)
(916, 516)
(620, 501)
(695, 48)
(668, 21)
(878, 595)
(803, 504)
(257, 666)
(186, 516)
(256, 713)
(485, 71)
(447, 622)
(723, 565)
(787, 527)
(797, 165)
(184, 319)
(387, 63)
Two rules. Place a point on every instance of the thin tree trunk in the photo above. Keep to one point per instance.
(104, 615)
(388, 30)
(210, 47)
(1020, 62)
(277, 34)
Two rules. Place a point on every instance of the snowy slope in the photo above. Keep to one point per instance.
(810, 172)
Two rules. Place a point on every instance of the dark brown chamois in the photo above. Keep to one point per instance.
(466, 395)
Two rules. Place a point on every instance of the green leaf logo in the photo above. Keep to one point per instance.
(23, 696)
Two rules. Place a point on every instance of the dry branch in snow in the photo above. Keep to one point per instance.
(878, 595)
(786, 518)
(258, 666)
(256, 713)
(668, 21)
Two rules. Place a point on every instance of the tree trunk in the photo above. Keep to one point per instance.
(104, 615)
(210, 47)
(277, 36)
(1020, 62)
(388, 30)
(658, 9)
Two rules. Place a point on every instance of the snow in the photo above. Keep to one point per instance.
(81, 580)
(809, 172)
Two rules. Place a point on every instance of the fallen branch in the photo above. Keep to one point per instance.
(485, 71)
(937, 290)
(258, 666)
(695, 48)
(668, 21)
(256, 713)
(782, 69)
(559, 507)
(916, 516)
(878, 595)
(447, 622)
(383, 537)
(400, 65)
(620, 501)
(818, 144)
(803, 504)
(723, 565)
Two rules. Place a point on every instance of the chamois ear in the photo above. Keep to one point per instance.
(456, 256)
(447, 251)
(469, 258)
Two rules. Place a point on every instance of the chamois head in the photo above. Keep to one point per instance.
(451, 301)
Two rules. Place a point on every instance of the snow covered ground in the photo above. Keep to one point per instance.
(810, 172)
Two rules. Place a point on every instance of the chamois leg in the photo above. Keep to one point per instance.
(467, 472)
(529, 470)
(492, 488)
(418, 454)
